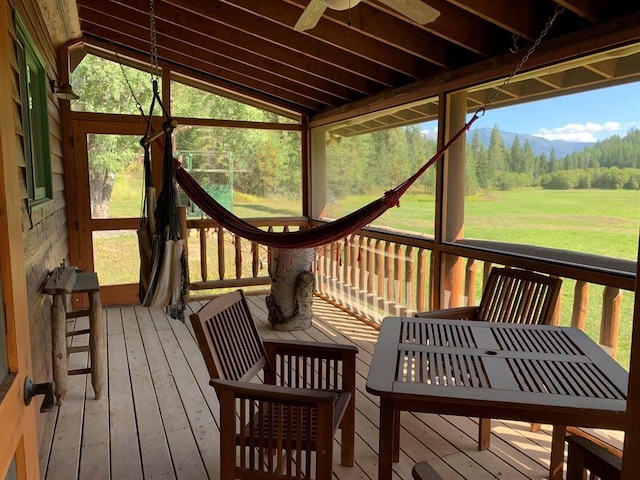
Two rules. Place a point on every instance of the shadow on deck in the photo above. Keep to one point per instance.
(160, 417)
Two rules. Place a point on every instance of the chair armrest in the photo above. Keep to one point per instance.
(311, 349)
(457, 313)
(583, 454)
(273, 393)
(327, 366)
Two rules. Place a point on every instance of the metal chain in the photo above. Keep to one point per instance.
(153, 42)
(559, 9)
(126, 79)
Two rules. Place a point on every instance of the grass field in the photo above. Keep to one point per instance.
(601, 222)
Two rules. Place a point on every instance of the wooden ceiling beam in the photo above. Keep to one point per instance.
(325, 90)
(231, 75)
(349, 41)
(391, 29)
(466, 30)
(592, 10)
(268, 32)
(339, 79)
(526, 18)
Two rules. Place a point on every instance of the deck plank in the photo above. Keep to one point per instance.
(154, 450)
(201, 419)
(125, 459)
(182, 445)
(160, 403)
(64, 459)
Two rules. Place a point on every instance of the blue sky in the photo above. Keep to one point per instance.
(582, 117)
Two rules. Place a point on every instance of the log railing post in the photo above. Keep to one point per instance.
(580, 304)
(610, 322)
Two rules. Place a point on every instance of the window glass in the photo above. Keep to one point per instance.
(116, 257)
(105, 86)
(252, 172)
(561, 173)
(115, 175)
(34, 118)
(361, 168)
(187, 101)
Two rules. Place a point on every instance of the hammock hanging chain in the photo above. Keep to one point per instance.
(153, 41)
(558, 10)
(126, 79)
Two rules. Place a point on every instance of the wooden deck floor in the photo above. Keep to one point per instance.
(159, 419)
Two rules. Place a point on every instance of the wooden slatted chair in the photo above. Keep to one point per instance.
(585, 456)
(511, 296)
(284, 426)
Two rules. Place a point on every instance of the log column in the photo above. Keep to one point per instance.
(292, 283)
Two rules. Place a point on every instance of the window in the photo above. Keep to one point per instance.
(35, 125)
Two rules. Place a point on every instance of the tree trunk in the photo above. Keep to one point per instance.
(292, 283)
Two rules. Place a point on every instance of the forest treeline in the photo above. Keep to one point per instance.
(360, 165)
(267, 163)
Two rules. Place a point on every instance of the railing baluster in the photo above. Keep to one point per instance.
(204, 272)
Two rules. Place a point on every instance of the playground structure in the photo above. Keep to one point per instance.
(213, 170)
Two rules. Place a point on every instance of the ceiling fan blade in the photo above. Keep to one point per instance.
(416, 10)
(310, 16)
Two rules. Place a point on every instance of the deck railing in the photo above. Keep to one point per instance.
(377, 272)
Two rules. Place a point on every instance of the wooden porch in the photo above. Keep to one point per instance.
(160, 417)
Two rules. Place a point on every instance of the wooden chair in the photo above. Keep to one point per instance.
(585, 456)
(424, 471)
(284, 426)
(511, 296)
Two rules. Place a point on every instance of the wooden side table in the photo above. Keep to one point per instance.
(62, 282)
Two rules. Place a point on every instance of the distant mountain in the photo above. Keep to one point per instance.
(538, 144)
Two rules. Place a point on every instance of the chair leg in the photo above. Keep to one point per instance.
(347, 450)
(484, 433)
(535, 427)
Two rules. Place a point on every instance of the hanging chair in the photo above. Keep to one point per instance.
(164, 277)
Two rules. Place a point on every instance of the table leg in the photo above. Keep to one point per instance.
(96, 343)
(59, 347)
(396, 436)
(556, 466)
(386, 441)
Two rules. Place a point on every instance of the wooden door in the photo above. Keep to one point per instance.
(106, 239)
(18, 436)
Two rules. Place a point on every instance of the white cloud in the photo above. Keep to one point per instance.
(432, 134)
(578, 132)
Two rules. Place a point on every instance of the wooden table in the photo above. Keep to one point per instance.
(62, 282)
(534, 373)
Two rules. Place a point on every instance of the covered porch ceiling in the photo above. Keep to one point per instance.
(369, 51)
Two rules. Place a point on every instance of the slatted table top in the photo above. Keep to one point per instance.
(535, 373)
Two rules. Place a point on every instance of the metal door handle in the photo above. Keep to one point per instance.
(32, 389)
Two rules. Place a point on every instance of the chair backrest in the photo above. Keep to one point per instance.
(230, 343)
(512, 295)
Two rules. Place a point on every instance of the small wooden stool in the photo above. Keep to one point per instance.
(62, 282)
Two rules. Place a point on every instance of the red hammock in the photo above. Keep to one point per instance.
(311, 237)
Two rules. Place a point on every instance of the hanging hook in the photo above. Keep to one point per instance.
(514, 48)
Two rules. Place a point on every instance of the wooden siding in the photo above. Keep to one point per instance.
(160, 418)
(44, 229)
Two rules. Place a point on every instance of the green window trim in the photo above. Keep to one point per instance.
(35, 121)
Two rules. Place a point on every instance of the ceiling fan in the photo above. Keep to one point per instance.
(416, 10)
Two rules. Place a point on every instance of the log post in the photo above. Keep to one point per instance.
(292, 283)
